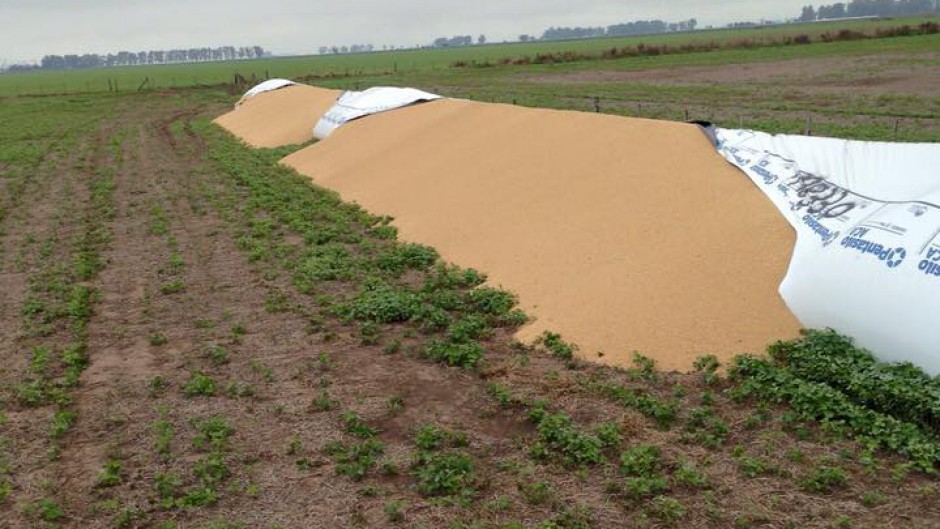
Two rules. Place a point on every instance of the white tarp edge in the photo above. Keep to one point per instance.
(353, 105)
(266, 86)
(867, 218)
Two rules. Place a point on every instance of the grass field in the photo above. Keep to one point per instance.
(196, 337)
(391, 63)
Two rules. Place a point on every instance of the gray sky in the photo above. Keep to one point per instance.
(33, 28)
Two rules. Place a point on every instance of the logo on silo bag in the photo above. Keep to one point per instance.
(891, 257)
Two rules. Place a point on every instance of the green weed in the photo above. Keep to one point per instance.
(443, 473)
(199, 384)
(110, 476)
(824, 479)
(355, 425)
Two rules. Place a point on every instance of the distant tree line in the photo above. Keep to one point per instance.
(457, 41)
(868, 8)
(340, 50)
(129, 58)
(639, 27)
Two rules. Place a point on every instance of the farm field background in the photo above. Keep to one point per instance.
(195, 337)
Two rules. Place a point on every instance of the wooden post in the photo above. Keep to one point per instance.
(597, 104)
(687, 114)
(897, 125)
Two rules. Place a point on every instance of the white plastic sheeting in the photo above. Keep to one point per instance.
(266, 86)
(353, 105)
(867, 217)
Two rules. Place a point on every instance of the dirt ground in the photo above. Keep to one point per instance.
(217, 394)
(872, 75)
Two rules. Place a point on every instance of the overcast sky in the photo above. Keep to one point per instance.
(33, 28)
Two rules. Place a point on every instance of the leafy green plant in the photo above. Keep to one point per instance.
(824, 479)
(668, 510)
(62, 421)
(664, 413)
(556, 346)
(110, 476)
(705, 428)
(47, 510)
(751, 467)
(688, 475)
(535, 492)
(355, 425)
(641, 460)
(708, 366)
(238, 390)
(465, 355)
(355, 461)
(443, 473)
(559, 434)
(164, 432)
(501, 393)
(260, 368)
(395, 403)
(643, 367)
(642, 464)
(578, 517)
(816, 401)
(431, 437)
(214, 432)
(199, 384)
(323, 402)
(211, 470)
(174, 286)
(217, 354)
(872, 499)
(900, 390)
(156, 385)
(609, 433)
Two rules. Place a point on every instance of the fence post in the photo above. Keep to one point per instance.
(597, 104)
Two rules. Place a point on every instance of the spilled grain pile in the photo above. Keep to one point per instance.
(280, 117)
(621, 234)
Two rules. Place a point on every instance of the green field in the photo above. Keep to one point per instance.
(398, 64)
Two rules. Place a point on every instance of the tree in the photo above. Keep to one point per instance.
(481, 39)
(525, 38)
(808, 15)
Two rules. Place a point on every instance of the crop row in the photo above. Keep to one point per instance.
(900, 390)
(762, 379)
